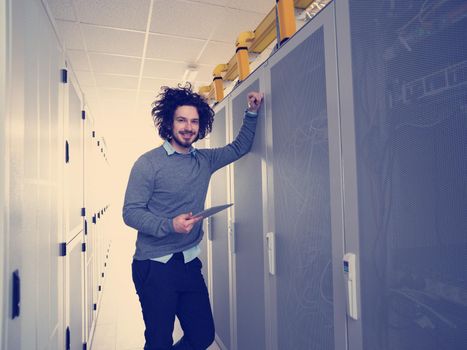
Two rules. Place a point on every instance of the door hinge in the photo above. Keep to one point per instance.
(62, 249)
(67, 339)
(64, 76)
(16, 295)
(83, 247)
(271, 246)
(83, 115)
(67, 152)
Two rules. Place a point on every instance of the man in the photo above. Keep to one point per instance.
(166, 186)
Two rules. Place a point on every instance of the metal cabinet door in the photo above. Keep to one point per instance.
(74, 166)
(404, 67)
(247, 226)
(75, 297)
(303, 130)
(220, 257)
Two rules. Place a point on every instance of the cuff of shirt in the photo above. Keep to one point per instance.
(251, 114)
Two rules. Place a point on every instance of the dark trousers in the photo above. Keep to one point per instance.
(169, 290)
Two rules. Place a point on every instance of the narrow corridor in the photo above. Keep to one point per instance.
(119, 322)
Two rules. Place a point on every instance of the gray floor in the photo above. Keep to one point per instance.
(119, 322)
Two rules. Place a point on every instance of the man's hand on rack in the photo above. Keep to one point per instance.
(254, 101)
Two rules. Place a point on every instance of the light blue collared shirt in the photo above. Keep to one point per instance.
(193, 252)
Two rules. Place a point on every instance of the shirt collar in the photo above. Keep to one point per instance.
(170, 150)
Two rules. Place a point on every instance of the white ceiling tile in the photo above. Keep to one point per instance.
(187, 19)
(70, 35)
(125, 95)
(235, 22)
(116, 81)
(260, 6)
(62, 9)
(164, 69)
(116, 41)
(217, 53)
(174, 48)
(213, 2)
(110, 64)
(85, 78)
(153, 86)
(78, 59)
(114, 13)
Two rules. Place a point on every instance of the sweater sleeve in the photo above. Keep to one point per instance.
(138, 193)
(239, 147)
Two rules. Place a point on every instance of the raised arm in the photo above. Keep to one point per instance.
(244, 140)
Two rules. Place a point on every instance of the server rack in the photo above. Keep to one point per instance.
(363, 151)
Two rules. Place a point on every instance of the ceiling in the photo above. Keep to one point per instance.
(123, 51)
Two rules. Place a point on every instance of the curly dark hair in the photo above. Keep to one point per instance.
(163, 109)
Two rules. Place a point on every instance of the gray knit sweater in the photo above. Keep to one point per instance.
(162, 187)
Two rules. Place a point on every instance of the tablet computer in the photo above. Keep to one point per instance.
(213, 210)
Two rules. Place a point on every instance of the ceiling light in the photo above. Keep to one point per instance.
(190, 73)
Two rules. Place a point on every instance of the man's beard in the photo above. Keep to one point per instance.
(181, 142)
